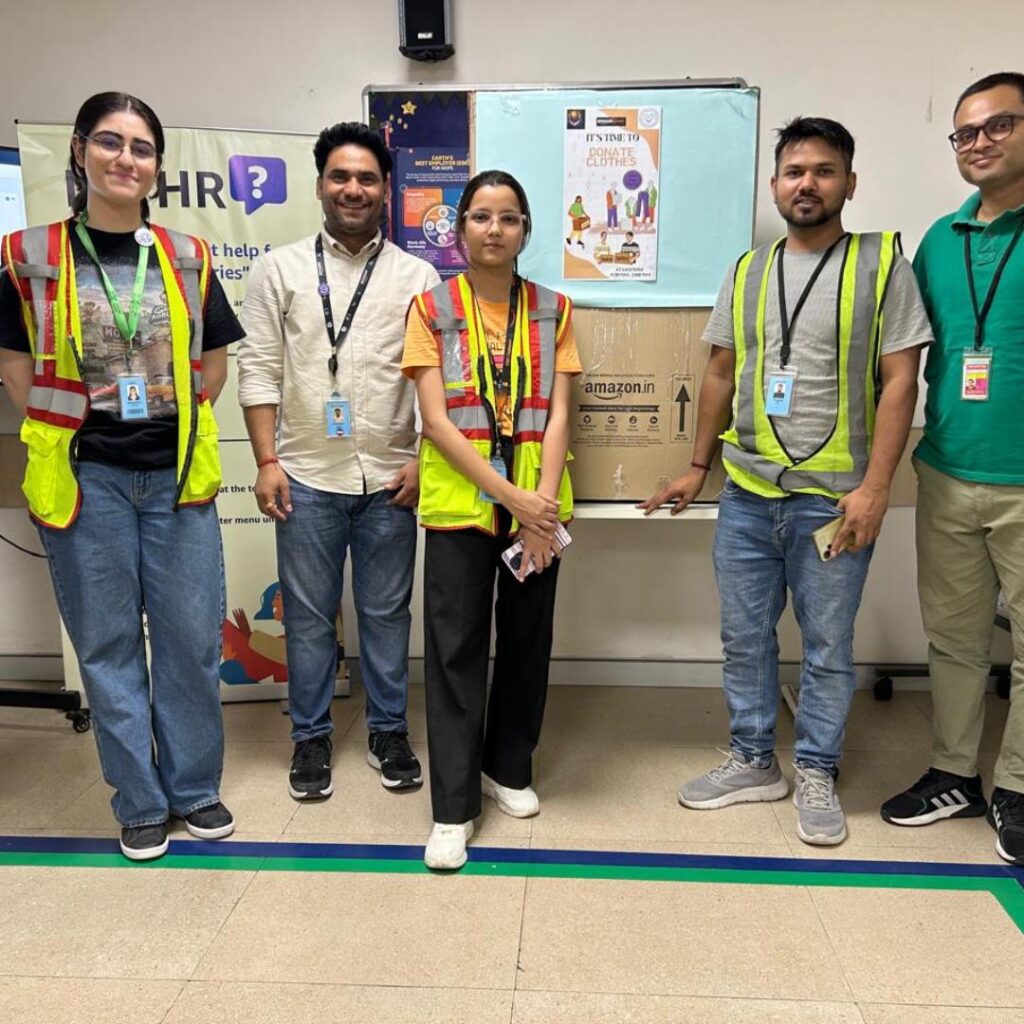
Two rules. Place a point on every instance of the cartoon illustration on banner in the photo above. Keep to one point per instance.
(611, 193)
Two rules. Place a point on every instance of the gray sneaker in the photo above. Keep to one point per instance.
(734, 781)
(820, 820)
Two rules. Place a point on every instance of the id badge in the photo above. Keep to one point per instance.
(498, 465)
(131, 390)
(976, 381)
(339, 417)
(778, 399)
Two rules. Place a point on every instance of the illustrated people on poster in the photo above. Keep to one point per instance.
(643, 204)
(630, 244)
(603, 251)
(580, 222)
(612, 198)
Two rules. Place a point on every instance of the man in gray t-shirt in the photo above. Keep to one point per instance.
(810, 387)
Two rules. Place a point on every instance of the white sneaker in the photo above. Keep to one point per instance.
(446, 847)
(519, 803)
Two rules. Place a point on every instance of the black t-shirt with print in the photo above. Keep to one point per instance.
(105, 436)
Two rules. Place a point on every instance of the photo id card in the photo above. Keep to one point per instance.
(778, 399)
(131, 390)
(977, 375)
(339, 417)
(498, 465)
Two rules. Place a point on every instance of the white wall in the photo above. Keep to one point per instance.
(889, 70)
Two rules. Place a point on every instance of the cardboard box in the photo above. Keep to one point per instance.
(634, 408)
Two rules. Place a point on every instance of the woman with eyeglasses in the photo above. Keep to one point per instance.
(492, 355)
(99, 315)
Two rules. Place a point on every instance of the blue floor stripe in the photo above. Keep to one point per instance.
(601, 858)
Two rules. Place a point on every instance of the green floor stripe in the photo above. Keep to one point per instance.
(1011, 896)
(1006, 891)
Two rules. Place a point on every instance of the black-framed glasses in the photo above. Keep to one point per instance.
(113, 145)
(996, 128)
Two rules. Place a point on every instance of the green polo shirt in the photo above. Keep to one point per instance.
(979, 441)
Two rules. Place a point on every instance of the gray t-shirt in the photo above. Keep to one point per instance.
(813, 342)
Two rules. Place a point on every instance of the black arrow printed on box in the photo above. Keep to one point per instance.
(682, 398)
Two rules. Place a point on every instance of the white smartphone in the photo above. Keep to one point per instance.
(513, 555)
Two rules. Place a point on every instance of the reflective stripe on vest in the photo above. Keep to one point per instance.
(752, 450)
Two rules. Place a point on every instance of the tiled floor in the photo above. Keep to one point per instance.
(106, 945)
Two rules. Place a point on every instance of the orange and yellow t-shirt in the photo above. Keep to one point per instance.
(421, 350)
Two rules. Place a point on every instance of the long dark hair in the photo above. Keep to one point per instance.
(89, 115)
(495, 179)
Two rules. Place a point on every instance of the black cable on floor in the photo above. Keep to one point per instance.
(34, 554)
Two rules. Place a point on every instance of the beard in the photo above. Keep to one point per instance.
(814, 217)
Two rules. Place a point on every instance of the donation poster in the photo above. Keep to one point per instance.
(245, 193)
(610, 193)
(427, 186)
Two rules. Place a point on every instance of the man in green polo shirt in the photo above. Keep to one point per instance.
(970, 466)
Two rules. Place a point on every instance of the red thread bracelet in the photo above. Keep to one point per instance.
(700, 465)
(269, 461)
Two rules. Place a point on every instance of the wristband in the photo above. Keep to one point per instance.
(700, 465)
(268, 461)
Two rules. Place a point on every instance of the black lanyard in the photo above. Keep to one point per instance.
(502, 379)
(981, 315)
(787, 324)
(336, 341)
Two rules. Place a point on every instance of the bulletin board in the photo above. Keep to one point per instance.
(635, 406)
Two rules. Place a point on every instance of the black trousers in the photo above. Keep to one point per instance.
(458, 595)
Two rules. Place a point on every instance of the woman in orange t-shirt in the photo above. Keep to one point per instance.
(460, 563)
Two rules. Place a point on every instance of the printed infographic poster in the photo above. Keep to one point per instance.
(611, 184)
(428, 185)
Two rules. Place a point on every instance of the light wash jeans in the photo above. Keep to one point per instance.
(762, 547)
(159, 731)
(311, 547)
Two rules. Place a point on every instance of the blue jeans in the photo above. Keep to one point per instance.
(762, 546)
(130, 552)
(311, 547)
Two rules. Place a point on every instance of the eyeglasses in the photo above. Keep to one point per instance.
(996, 128)
(483, 219)
(113, 145)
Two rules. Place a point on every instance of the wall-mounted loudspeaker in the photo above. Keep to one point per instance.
(425, 29)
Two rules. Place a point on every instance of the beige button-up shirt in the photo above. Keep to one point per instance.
(283, 358)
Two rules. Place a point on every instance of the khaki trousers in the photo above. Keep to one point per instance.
(970, 543)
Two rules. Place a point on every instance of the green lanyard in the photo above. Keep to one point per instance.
(126, 325)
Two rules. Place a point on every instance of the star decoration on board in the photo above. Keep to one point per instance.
(409, 108)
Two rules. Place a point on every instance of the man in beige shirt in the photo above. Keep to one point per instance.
(332, 425)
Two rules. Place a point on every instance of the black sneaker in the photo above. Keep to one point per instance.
(310, 775)
(144, 842)
(392, 756)
(936, 795)
(212, 822)
(1006, 816)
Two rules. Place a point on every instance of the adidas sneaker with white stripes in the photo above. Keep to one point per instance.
(935, 796)
(1006, 816)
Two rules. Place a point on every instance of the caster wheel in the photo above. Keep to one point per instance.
(81, 721)
(883, 688)
(1003, 686)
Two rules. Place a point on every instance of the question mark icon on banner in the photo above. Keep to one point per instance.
(259, 177)
(257, 180)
